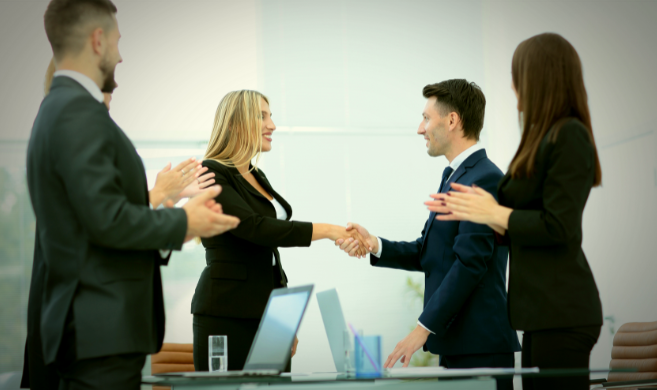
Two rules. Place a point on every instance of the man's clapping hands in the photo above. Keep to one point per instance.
(186, 180)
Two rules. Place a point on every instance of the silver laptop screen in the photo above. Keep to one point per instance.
(278, 328)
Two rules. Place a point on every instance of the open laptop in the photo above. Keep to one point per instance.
(334, 323)
(272, 345)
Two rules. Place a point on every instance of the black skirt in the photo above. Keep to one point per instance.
(240, 332)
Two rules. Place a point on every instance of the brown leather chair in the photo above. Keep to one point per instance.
(635, 346)
(172, 358)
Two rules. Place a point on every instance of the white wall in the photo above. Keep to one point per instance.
(345, 80)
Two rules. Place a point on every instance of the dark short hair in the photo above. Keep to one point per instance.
(68, 22)
(463, 98)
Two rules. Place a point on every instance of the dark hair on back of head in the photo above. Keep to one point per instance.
(68, 23)
(464, 98)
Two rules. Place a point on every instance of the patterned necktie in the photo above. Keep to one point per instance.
(448, 171)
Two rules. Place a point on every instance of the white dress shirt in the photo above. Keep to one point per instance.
(455, 164)
(280, 214)
(83, 80)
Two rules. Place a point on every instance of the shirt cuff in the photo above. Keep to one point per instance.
(164, 253)
(419, 323)
(378, 254)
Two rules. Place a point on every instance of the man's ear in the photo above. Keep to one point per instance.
(454, 120)
(98, 41)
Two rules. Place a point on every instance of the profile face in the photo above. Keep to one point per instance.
(111, 58)
(434, 129)
(268, 126)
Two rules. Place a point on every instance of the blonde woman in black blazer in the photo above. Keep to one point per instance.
(245, 266)
(553, 297)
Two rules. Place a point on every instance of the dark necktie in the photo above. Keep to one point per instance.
(448, 171)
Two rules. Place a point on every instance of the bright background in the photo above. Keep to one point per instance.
(344, 79)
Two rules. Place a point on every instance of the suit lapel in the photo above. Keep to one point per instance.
(460, 171)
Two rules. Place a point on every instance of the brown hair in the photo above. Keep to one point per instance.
(462, 97)
(68, 23)
(547, 74)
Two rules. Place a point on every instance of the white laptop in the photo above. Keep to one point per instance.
(334, 323)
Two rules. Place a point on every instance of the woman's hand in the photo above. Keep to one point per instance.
(294, 346)
(197, 186)
(470, 204)
(334, 233)
(169, 183)
(352, 242)
(350, 245)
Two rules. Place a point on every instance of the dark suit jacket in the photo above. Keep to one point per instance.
(239, 275)
(96, 240)
(550, 282)
(465, 275)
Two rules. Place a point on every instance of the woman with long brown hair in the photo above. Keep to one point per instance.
(552, 295)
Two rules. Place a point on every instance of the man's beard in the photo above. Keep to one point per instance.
(108, 72)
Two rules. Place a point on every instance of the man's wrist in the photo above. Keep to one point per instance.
(422, 330)
(155, 197)
(375, 244)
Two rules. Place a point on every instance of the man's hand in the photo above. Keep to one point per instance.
(205, 217)
(294, 346)
(169, 183)
(201, 183)
(407, 347)
(350, 246)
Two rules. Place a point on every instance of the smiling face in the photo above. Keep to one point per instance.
(268, 126)
(434, 128)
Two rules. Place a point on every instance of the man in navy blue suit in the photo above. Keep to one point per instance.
(465, 317)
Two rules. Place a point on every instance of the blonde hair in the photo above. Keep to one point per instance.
(236, 137)
(49, 74)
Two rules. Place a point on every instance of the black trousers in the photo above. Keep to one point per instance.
(240, 332)
(36, 375)
(490, 360)
(102, 373)
(559, 348)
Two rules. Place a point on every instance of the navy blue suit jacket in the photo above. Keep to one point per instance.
(465, 275)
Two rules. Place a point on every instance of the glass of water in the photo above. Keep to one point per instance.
(218, 353)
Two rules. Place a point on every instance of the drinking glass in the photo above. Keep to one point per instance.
(218, 353)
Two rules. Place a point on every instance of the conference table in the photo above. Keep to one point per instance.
(435, 378)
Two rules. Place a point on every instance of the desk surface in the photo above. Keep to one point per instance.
(416, 378)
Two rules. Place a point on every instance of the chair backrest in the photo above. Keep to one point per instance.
(173, 358)
(635, 346)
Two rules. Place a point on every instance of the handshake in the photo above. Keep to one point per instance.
(357, 242)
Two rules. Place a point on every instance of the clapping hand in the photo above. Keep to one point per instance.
(201, 183)
(464, 204)
(205, 216)
(169, 183)
(352, 245)
(472, 204)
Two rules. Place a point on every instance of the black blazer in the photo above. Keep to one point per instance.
(550, 282)
(239, 275)
(96, 245)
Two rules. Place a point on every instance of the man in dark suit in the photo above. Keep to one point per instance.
(96, 308)
(464, 318)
